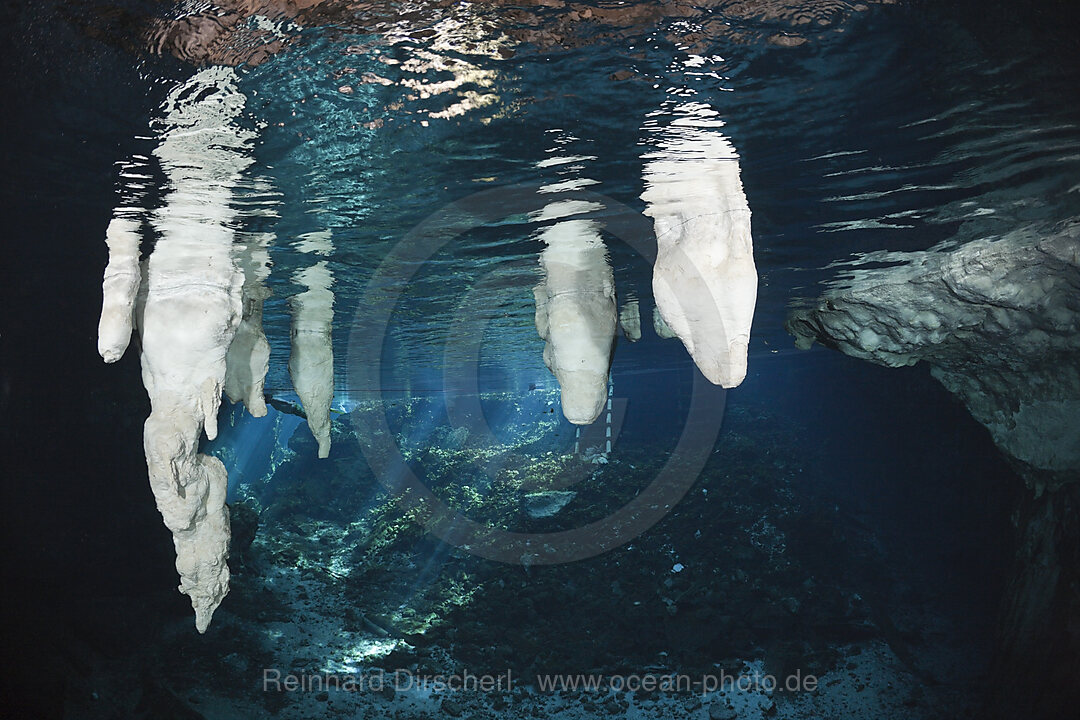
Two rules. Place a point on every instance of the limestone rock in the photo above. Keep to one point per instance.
(311, 361)
(120, 287)
(704, 278)
(249, 354)
(546, 504)
(187, 310)
(576, 316)
(998, 321)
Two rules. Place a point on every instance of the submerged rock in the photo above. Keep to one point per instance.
(719, 711)
(1040, 601)
(547, 504)
(997, 320)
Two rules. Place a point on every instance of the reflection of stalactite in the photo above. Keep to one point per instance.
(704, 279)
(188, 312)
(575, 314)
(311, 361)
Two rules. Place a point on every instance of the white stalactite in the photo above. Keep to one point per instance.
(120, 287)
(704, 279)
(248, 359)
(576, 315)
(311, 361)
(188, 309)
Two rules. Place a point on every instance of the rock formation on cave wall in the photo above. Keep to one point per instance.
(998, 322)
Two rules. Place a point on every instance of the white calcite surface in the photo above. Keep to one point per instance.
(704, 278)
(576, 315)
(188, 307)
(311, 360)
(120, 286)
(998, 321)
(197, 303)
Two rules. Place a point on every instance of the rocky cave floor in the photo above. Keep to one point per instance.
(752, 572)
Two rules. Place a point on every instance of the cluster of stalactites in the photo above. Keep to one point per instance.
(196, 303)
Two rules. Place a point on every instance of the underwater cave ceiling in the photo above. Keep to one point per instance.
(995, 317)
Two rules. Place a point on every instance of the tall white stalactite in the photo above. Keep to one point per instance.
(576, 314)
(704, 279)
(188, 312)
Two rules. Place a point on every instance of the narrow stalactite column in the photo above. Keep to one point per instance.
(311, 362)
(248, 359)
(123, 274)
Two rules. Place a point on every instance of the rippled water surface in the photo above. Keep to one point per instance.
(898, 133)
